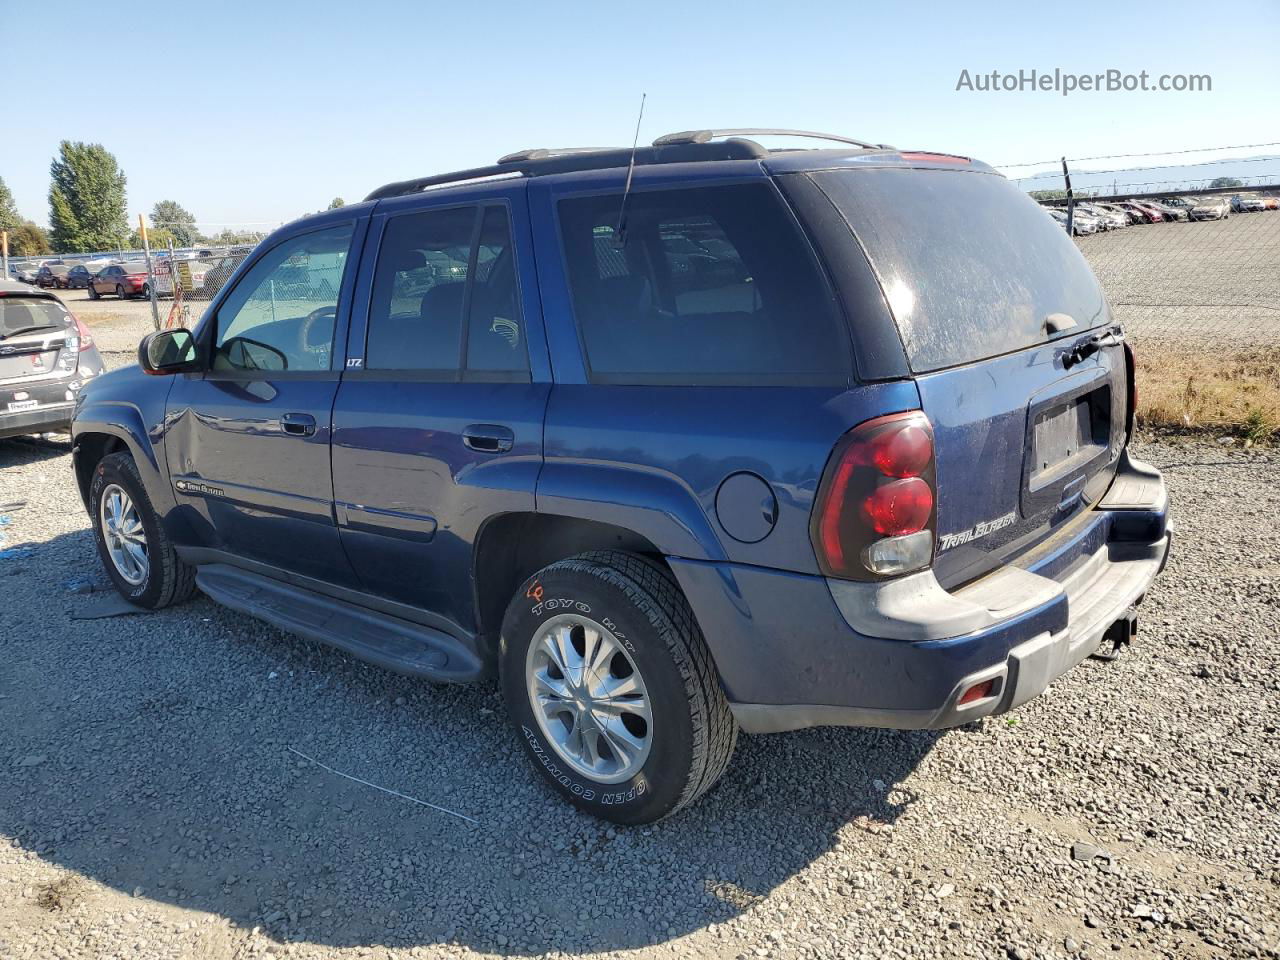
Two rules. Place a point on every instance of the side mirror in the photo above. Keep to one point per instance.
(168, 351)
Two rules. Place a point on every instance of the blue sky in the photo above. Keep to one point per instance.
(254, 113)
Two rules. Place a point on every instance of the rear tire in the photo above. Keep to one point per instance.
(641, 729)
(161, 579)
(120, 291)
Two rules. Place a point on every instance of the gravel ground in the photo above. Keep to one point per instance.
(1216, 279)
(150, 804)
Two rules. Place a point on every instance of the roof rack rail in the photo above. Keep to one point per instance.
(694, 146)
(706, 136)
(544, 153)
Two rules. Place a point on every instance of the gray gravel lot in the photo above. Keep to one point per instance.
(150, 804)
(1198, 281)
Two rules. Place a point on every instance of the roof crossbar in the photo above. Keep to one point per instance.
(706, 136)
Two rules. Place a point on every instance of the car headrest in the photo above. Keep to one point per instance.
(443, 300)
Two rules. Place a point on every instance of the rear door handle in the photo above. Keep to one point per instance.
(488, 438)
(299, 424)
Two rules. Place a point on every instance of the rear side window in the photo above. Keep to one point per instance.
(970, 265)
(445, 296)
(712, 285)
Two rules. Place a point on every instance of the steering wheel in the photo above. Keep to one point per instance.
(308, 324)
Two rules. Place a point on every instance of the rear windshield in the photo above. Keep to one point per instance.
(18, 314)
(970, 265)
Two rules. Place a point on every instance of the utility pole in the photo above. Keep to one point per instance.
(151, 274)
(1071, 200)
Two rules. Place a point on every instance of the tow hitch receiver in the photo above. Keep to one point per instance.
(1118, 636)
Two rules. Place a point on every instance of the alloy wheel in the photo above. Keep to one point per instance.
(124, 535)
(589, 699)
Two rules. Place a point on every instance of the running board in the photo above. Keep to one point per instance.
(377, 638)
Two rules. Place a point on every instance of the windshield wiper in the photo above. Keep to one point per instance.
(1111, 337)
(14, 333)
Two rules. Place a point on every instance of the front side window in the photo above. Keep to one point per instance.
(445, 297)
(281, 315)
(707, 285)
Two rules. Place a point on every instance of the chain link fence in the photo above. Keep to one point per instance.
(1188, 251)
(1189, 257)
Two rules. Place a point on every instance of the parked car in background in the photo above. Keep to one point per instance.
(122, 280)
(1107, 218)
(1170, 214)
(79, 277)
(220, 271)
(1145, 214)
(1271, 203)
(53, 275)
(46, 356)
(1130, 216)
(1082, 225)
(1180, 203)
(1212, 207)
(1246, 203)
(657, 501)
(23, 272)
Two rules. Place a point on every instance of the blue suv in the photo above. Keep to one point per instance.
(675, 441)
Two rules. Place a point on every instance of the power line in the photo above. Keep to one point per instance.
(1203, 163)
(1130, 156)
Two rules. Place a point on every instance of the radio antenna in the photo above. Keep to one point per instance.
(620, 234)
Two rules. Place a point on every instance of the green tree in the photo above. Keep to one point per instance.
(9, 219)
(158, 238)
(170, 215)
(1226, 182)
(336, 202)
(28, 240)
(230, 238)
(86, 199)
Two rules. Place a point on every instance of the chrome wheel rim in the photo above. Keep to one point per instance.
(124, 535)
(589, 699)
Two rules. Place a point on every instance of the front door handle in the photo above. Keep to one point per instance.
(299, 424)
(488, 438)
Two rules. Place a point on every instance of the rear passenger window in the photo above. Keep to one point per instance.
(445, 290)
(712, 285)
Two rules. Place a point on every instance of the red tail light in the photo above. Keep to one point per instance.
(875, 511)
(86, 338)
(1131, 371)
(136, 277)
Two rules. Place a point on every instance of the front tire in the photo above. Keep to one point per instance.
(93, 292)
(611, 688)
(132, 543)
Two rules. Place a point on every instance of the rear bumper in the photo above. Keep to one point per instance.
(44, 419)
(796, 651)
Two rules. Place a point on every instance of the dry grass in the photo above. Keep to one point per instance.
(1206, 387)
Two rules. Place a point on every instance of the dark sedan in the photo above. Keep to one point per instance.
(79, 277)
(53, 275)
